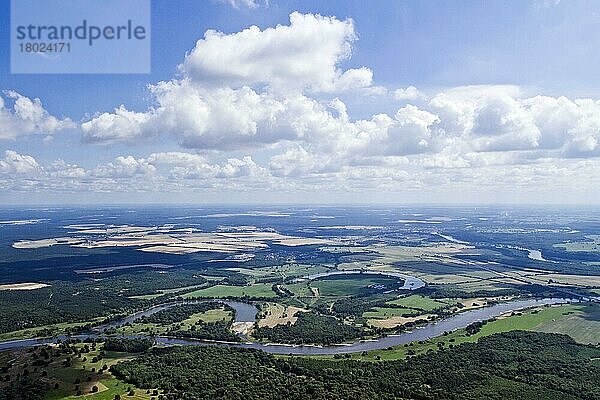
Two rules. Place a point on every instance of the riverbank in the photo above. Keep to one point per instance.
(429, 331)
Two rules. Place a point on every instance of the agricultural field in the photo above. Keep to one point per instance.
(292, 283)
(419, 303)
(591, 244)
(564, 279)
(581, 322)
(303, 290)
(288, 270)
(300, 200)
(352, 286)
(259, 290)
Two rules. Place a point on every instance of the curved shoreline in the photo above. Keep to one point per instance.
(429, 331)
(244, 312)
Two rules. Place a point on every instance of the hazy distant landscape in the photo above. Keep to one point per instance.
(299, 200)
(390, 283)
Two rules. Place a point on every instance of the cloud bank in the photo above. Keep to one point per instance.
(264, 108)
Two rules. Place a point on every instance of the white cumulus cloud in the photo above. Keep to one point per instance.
(27, 116)
(14, 163)
(409, 93)
(303, 54)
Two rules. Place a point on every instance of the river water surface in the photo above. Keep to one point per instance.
(429, 331)
(247, 313)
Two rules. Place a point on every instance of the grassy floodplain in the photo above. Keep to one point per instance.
(217, 314)
(580, 321)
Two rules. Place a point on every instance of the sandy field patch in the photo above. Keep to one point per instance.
(165, 239)
(278, 314)
(23, 221)
(351, 227)
(293, 241)
(23, 286)
(37, 244)
(242, 328)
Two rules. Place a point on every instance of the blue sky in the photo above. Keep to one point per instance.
(512, 50)
(421, 43)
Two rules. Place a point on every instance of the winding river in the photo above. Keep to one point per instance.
(429, 331)
(244, 312)
(247, 313)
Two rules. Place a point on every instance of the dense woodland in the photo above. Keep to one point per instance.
(76, 301)
(132, 345)
(356, 305)
(310, 328)
(182, 312)
(440, 291)
(514, 365)
(24, 389)
(217, 330)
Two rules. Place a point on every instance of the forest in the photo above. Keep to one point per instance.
(310, 328)
(513, 365)
(73, 301)
(132, 345)
(217, 330)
